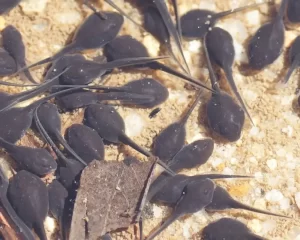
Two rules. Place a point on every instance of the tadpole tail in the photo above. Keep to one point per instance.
(282, 9)
(67, 49)
(162, 8)
(170, 51)
(191, 109)
(40, 231)
(111, 3)
(122, 97)
(177, 17)
(291, 69)
(67, 147)
(127, 141)
(220, 176)
(233, 87)
(212, 75)
(166, 224)
(237, 205)
(239, 9)
(27, 72)
(164, 68)
(22, 227)
(17, 84)
(125, 62)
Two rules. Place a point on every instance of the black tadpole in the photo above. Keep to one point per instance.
(13, 43)
(145, 93)
(92, 34)
(222, 200)
(293, 11)
(15, 222)
(35, 160)
(50, 119)
(110, 126)
(227, 228)
(220, 47)
(196, 23)
(127, 46)
(294, 59)
(267, 43)
(7, 5)
(172, 138)
(194, 197)
(28, 195)
(225, 117)
(86, 142)
(69, 170)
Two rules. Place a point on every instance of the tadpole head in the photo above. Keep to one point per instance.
(225, 117)
(194, 23)
(124, 47)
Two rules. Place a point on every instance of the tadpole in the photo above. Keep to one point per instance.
(58, 195)
(294, 58)
(220, 47)
(194, 197)
(110, 126)
(170, 140)
(225, 117)
(28, 195)
(50, 120)
(227, 228)
(196, 23)
(146, 93)
(267, 43)
(18, 225)
(222, 200)
(86, 142)
(8, 65)
(93, 33)
(7, 5)
(13, 43)
(158, 22)
(127, 46)
(35, 160)
(293, 11)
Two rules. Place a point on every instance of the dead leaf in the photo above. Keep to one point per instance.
(108, 197)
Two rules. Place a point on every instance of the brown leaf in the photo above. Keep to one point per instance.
(108, 197)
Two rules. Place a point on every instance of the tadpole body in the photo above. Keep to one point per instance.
(294, 58)
(8, 65)
(192, 155)
(93, 33)
(293, 11)
(28, 195)
(7, 5)
(58, 195)
(196, 23)
(13, 43)
(9, 213)
(194, 197)
(170, 140)
(127, 46)
(225, 117)
(220, 47)
(146, 93)
(222, 200)
(35, 160)
(86, 142)
(227, 228)
(267, 43)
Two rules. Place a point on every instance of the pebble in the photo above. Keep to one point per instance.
(134, 124)
(33, 6)
(274, 196)
(255, 225)
(272, 164)
(297, 199)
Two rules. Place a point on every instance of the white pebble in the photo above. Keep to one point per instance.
(157, 211)
(253, 18)
(134, 124)
(50, 224)
(272, 164)
(216, 162)
(228, 171)
(274, 196)
(285, 204)
(194, 46)
(70, 17)
(255, 225)
(288, 130)
(233, 161)
(268, 226)
(152, 45)
(254, 131)
(33, 6)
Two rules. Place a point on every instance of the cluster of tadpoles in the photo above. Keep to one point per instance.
(26, 199)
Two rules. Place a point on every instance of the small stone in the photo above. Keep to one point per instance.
(157, 211)
(33, 6)
(297, 199)
(255, 225)
(194, 46)
(216, 162)
(285, 204)
(254, 131)
(134, 124)
(274, 196)
(272, 164)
